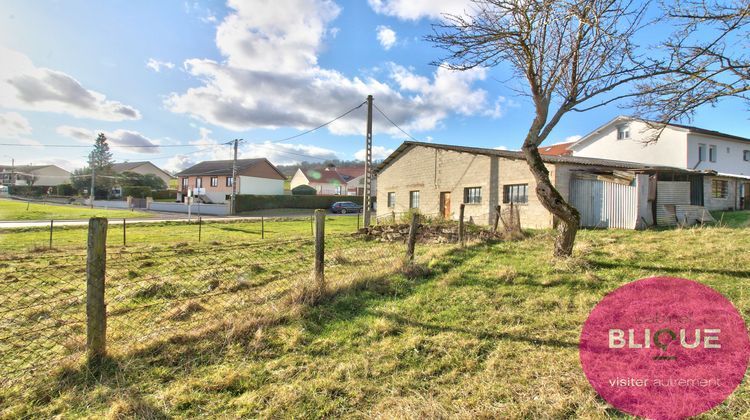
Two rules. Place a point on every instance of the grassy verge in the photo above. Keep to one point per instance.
(491, 331)
(732, 219)
(65, 237)
(19, 210)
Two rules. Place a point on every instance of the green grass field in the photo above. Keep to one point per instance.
(732, 219)
(19, 210)
(139, 234)
(489, 331)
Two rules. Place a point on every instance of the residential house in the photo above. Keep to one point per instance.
(143, 168)
(436, 179)
(724, 158)
(333, 180)
(39, 175)
(254, 176)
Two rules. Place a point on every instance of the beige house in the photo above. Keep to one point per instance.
(143, 168)
(436, 179)
(39, 175)
(332, 180)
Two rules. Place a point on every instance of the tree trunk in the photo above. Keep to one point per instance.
(567, 215)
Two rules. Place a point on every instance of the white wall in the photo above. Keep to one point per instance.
(669, 150)
(729, 154)
(298, 179)
(260, 186)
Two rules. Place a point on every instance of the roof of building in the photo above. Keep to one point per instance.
(560, 149)
(26, 168)
(323, 176)
(129, 166)
(351, 171)
(224, 167)
(689, 128)
(575, 160)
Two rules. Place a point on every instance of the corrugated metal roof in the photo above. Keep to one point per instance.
(575, 160)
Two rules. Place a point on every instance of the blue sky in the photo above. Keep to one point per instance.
(202, 73)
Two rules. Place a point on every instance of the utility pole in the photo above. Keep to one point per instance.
(234, 179)
(93, 177)
(368, 165)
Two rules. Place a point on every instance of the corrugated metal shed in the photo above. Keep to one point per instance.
(605, 204)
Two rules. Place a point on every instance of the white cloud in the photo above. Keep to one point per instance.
(157, 65)
(417, 9)
(178, 162)
(13, 125)
(287, 154)
(501, 148)
(270, 78)
(378, 153)
(568, 139)
(386, 37)
(134, 141)
(27, 87)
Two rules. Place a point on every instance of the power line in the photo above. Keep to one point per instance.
(320, 126)
(112, 145)
(394, 124)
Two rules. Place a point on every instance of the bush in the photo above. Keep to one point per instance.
(136, 192)
(27, 190)
(65, 190)
(304, 190)
(164, 194)
(263, 202)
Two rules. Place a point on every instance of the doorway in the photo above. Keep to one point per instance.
(745, 196)
(445, 204)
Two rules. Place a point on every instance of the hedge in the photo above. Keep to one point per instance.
(263, 202)
(304, 190)
(164, 194)
(136, 191)
(40, 190)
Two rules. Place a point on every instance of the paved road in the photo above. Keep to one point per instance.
(19, 224)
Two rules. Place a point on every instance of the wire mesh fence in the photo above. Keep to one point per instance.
(125, 232)
(153, 294)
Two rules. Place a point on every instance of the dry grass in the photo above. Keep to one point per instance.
(488, 331)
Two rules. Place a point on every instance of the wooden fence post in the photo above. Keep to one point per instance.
(497, 218)
(358, 213)
(200, 227)
(412, 237)
(124, 237)
(320, 236)
(461, 238)
(262, 228)
(312, 231)
(51, 224)
(96, 309)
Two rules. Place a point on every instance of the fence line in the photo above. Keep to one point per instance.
(112, 300)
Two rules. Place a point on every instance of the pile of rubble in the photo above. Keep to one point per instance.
(427, 233)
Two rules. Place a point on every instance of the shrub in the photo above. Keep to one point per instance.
(136, 192)
(262, 202)
(304, 190)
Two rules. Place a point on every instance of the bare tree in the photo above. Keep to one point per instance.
(573, 55)
(709, 59)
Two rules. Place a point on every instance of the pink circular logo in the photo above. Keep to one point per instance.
(664, 348)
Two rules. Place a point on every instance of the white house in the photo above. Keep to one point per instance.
(725, 157)
(254, 176)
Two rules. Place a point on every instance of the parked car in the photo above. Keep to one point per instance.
(344, 207)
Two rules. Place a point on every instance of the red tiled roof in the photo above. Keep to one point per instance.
(324, 177)
(351, 171)
(557, 149)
